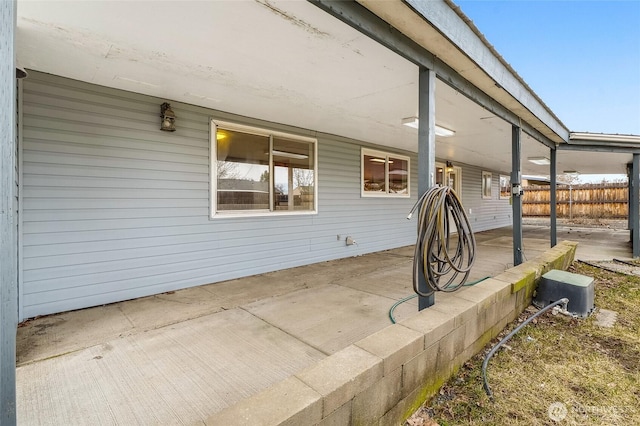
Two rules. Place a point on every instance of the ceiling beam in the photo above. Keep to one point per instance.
(369, 24)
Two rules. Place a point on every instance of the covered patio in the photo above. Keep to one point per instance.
(180, 357)
(95, 181)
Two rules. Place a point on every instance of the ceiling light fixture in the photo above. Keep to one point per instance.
(440, 131)
(540, 161)
(410, 122)
(444, 132)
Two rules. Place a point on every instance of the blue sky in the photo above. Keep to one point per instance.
(582, 58)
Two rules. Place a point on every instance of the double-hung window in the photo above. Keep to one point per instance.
(255, 171)
(384, 174)
(486, 185)
(505, 187)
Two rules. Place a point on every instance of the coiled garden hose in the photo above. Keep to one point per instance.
(564, 301)
(434, 257)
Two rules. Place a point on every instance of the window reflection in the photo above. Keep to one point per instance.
(243, 171)
(374, 174)
(259, 172)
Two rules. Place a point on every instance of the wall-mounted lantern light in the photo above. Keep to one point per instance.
(168, 118)
(449, 166)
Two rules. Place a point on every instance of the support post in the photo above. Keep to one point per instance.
(8, 218)
(553, 182)
(634, 205)
(426, 154)
(516, 195)
(630, 198)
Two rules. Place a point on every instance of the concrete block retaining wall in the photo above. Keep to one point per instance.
(382, 379)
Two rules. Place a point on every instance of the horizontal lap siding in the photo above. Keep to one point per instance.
(486, 213)
(116, 209)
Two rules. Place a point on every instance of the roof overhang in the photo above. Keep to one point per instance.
(441, 28)
(290, 63)
(614, 141)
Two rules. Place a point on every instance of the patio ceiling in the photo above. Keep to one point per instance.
(282, 61)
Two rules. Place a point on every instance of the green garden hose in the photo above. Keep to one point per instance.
(413, 296)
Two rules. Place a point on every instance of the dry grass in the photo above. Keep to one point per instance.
(593, 372)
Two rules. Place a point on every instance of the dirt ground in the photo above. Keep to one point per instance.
(579, 222)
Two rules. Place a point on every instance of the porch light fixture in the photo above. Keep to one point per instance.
(168, 118)
(449, 166)
(540, 161)
(440, 131)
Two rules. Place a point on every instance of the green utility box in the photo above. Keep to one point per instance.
(556, 284)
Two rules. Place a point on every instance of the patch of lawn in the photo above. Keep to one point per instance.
(556, 370)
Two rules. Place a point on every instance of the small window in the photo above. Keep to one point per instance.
(505, 187)
(259, 172)
(486, 184)
(384, 174)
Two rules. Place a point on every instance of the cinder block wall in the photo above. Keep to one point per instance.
(384, 378)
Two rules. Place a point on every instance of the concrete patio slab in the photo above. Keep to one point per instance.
(180, 374)
(69, 331)
(181, 357)
(328, 318)
(393, 281)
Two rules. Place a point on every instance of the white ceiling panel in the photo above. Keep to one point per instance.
(281, 61)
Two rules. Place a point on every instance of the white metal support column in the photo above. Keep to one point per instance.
(8, 218)
(426, 155)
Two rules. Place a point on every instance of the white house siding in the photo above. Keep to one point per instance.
(115, 209)
(485, 213)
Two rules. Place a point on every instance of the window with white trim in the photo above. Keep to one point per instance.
(486, 184)
(256, 171)
(505, 187)
(384, 174)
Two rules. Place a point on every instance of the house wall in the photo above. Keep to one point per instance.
(116, 209)
(485, 213)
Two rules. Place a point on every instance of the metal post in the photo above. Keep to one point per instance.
(553, 181)
(630, 198)
(516, 194)
(426, 154)
(634, 203)
(570, 202)
(8, 221)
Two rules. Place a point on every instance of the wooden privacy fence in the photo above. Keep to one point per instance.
(596, 201)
